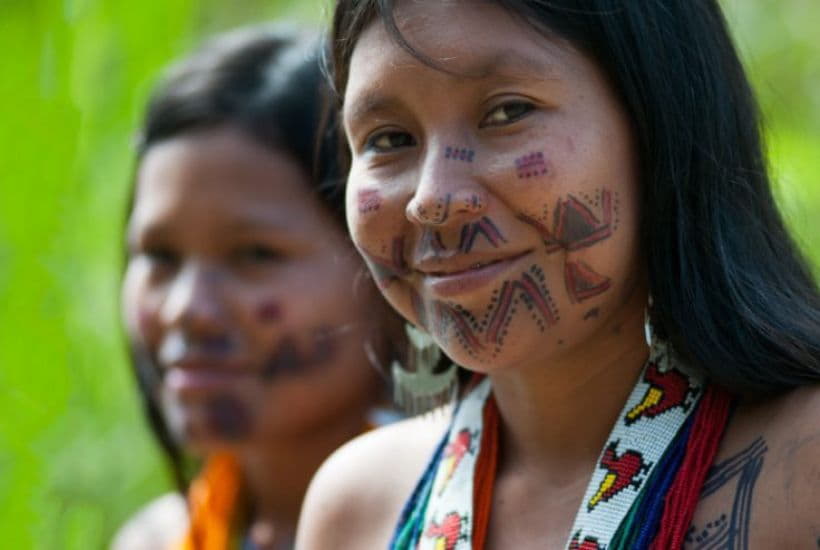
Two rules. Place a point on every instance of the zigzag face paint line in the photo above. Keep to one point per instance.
(462, 324)
(463, 154)
(485, 227)
(535, 297)
(532, 165)
(431, 243)
(525, 294)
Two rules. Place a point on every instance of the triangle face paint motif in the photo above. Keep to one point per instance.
(583, 282)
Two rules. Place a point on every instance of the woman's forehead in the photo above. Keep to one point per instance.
(483, 44)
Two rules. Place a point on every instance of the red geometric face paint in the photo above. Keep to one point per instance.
(575, 225)
(484, 227)
(583, 282)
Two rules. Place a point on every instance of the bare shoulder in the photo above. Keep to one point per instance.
(794, 466)
(357, 495)
(158, 524)
(764, 489)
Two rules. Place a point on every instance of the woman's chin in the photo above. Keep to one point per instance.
(514, 350)
(217, 423)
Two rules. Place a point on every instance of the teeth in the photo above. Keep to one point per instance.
(477, 266)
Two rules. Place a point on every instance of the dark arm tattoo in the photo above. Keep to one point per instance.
(730, 532)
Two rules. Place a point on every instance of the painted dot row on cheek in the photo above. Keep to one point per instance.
(531, 165)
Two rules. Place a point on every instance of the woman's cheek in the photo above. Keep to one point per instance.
(378, 227)
(138, 314)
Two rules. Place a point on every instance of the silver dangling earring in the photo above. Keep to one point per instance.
(648, 334)
(658, 347)
(422, 389)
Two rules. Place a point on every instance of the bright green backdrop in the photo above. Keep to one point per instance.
(75, 456)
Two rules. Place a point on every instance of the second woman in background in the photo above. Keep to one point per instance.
(248, 333)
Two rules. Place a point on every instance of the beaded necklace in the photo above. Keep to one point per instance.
(642, 493)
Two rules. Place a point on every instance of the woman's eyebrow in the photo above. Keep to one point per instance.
(508, 64)
(260, 220)
(505, 64)
(368, 105)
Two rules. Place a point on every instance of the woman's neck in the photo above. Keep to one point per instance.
(277, 475)
(555, 418)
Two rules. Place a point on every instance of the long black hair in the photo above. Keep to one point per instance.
(730, 289)
(264, 81)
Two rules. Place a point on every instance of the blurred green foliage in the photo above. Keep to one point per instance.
(75, 455)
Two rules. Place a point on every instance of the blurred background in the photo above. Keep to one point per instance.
(76, 458)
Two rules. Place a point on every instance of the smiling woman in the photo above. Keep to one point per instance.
(573, 204)
(248, 336)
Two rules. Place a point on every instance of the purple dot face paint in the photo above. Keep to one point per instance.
(459, 153)
(531, 165)
(228, 418)
(270, 312)
(368, 200)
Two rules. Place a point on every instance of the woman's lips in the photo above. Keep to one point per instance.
(191, 382)
(458, 282)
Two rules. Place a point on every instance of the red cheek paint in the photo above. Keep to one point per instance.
(270, 312)
(531, 165)
(583, 282)
(368, 200)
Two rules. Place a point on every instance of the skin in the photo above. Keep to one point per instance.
(238, 287)
(545, 371)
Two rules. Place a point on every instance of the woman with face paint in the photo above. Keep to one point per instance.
(576, 209)
(242, 296)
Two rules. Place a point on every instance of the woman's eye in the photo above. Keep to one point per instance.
(386, 142)
(161, 257)
(258, 254)
(507, 113)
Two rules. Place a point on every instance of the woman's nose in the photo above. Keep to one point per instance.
(447, 190)
(195, 300)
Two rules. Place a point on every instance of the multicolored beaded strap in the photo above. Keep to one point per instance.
(656, 454)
